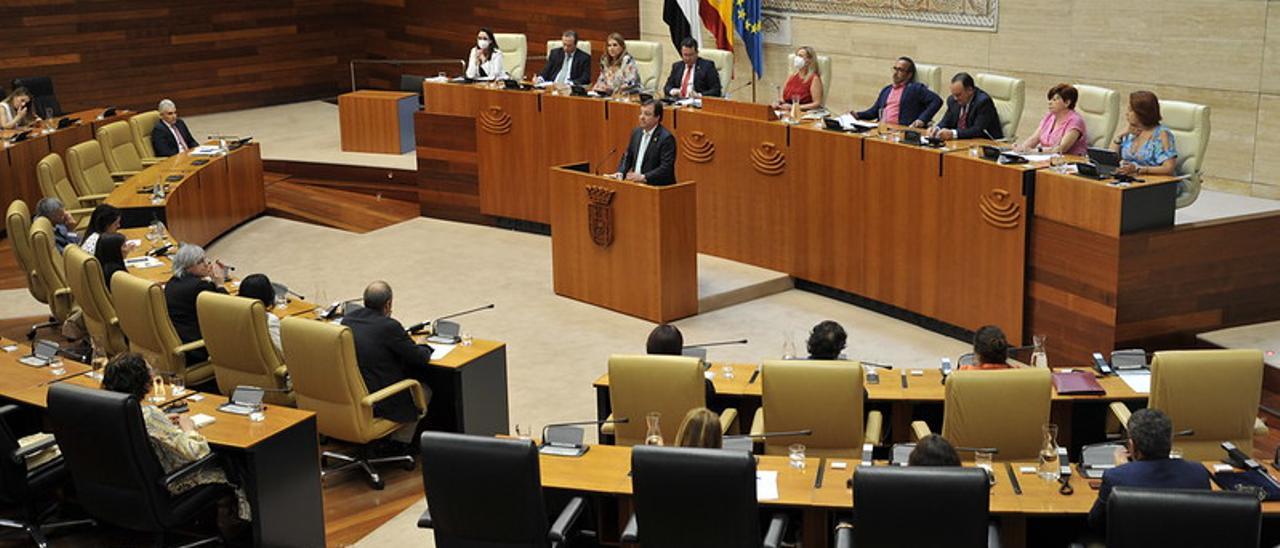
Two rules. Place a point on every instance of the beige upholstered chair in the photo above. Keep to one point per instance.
(88, 169)
(48, 268)
(648, 56)
(1009, 94)
(140, 126)
(1189, 123)
(1100, 108)
(930, 75)
(824, 68)
(1215, 393)
(121, 155)
(144, 317)
(51, 173)
(240, 349)
(17, 221)
(823, 396)
(515, 52)
(670, 385)
(84, 277)
(1004, 409)
(326, 379)
(584, 45)
(724, 66)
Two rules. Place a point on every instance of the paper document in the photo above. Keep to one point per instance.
(439, 351)
(847, 121)
(206, 150)
(143, 262)
(766, 484)
(437, 79)
(200, 420)
(1139, 381)
(1034, 158)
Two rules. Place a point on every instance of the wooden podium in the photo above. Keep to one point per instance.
(377, 121)
(624, 246)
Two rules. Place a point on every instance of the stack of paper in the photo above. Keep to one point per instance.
(766, 484)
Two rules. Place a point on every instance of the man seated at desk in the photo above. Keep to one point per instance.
(827, 341)
(63, 223)
(651, 152)
(905, 101)
(170, 136)
(1150, 439)
(387, 355)
(971, 113)
(567, 65)
(692, 76)
(193, 274)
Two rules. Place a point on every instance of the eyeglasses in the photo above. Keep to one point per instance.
(901, 69)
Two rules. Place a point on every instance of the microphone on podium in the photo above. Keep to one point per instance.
(600, 164)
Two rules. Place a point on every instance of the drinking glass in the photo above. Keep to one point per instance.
(1175, 453)
(788, 346)
(177, 385)
(727, 371)
(983, 460)
(522, 431)
(465, 337)
(157, 389)
(796, 450)
(1048, 469)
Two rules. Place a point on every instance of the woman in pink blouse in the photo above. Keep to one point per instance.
(1062, 130)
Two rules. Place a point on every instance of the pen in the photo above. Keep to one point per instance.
(754, 374)
(904, 378)
(822, 467)
(1013, 479)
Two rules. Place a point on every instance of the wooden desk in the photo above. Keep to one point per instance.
(205, 201)
(377, 121)
(1103, 207)
(18, 160)
(469, 389)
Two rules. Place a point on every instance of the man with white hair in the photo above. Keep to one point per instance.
(170, 136)
(193, 273)
(64, 224)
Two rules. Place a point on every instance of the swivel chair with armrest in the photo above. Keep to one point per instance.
(1182, 518)
(1004, 409)
(140, 126)
(18, 221)
(118, 150)
(89, 288)
(240, 349)
(488, 491)
(825, 397)
(88, 170)
(49, 269)
(117, 477)
(144, 317)
(26, 474)
(697, 497)
(894, 502)
(668, 385)
(51, 173)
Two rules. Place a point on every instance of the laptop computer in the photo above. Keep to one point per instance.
(1105, 161)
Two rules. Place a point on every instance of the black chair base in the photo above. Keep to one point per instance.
(362, 461)
(36, 530)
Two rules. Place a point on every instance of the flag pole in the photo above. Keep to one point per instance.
(753, 85)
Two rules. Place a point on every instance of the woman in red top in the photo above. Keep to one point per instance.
(805, 84)
(990, 349)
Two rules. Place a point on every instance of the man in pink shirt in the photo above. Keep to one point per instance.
(905, 101)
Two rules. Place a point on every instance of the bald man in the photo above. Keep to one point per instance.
(385, 353)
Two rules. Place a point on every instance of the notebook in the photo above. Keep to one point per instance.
(1077, 382)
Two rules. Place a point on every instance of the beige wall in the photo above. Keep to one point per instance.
(1224, 53)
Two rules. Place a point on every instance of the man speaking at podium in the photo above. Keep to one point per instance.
(651, 152)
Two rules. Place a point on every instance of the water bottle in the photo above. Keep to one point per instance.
(654, 434)
(1048, 469)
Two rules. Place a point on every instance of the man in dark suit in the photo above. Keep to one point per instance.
(567, 65)
(971, 113)
(905, 101)
(692, 76)
(651, 152)
(193, 273)
(1150, 438)
(386, 354)
(170, 136)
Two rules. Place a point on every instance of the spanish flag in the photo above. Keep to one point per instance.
(717, 17)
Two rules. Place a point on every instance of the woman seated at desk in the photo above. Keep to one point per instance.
(1147, 147)
(1062, 131)
(618, 70)
(701, 428)
(111, 250)
(990, 349)
(804, 86)
(485, 61)
(16, 110)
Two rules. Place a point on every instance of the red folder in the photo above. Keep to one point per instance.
(1077, 382)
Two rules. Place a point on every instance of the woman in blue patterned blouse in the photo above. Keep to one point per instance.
(1146, 147)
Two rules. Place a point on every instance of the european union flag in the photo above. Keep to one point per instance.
(747, 19)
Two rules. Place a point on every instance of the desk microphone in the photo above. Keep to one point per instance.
(733, 91)
(418, 326)
(720, 343)
(992, 450)
(879, 365)
(767, 435)
(600, 164)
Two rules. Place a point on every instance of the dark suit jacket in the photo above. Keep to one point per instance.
(981, 116)
(918, 102)
(162, 139)
(180, 296)
(706, 80)
(659, 162)
(1156, 473)
(579, 73)
(386, 356)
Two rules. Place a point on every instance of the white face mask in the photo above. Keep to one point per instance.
(482, 43)
(798, 62)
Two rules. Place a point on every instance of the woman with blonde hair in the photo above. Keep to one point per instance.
(16, 110)
(804, 86)
(701, 428)
(618, 69)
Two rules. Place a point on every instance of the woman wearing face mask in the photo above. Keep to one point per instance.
(16, 110)
(805, 84)
(486, 60)
(618, 68)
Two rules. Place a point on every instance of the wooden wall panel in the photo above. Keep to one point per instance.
(206, 55)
